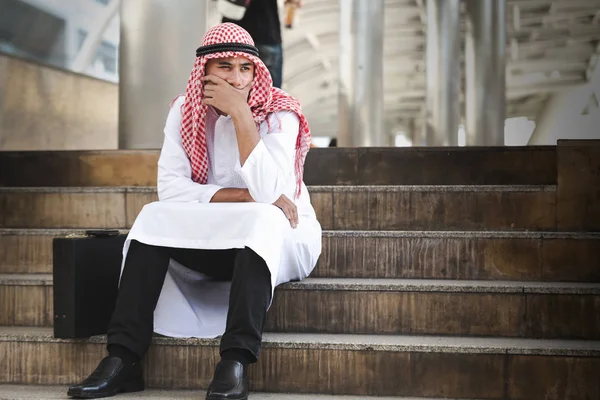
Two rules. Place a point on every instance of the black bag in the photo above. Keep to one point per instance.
(86, 273)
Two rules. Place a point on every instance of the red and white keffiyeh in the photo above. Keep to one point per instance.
(263, 100)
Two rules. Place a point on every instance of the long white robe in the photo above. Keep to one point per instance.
(190, 305)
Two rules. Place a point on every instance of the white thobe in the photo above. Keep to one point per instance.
(190, 304)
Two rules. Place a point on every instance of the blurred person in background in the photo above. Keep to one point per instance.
(290, 12)
(261, 19)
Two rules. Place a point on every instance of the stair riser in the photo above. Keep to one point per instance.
(333, 166)
(562, 259)
(354, 210)
(66, 210)
(78, 168)
(433, 210)
(302, 370)
(371, 312)
(481, 258)
(30, 305)
(459, 314)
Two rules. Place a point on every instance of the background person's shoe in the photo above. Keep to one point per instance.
(229, 382)
(111, 377)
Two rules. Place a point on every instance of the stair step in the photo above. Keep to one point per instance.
(332, 166)
(385, 306)
(419, 366)
(337, 207)
(534, 256)
(435, 207)
(30, 392)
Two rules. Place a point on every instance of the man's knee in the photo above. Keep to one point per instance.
(251, 269)
(251, 260)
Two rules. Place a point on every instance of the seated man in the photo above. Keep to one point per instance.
(193, 269)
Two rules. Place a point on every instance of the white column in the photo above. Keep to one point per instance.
(485, 72)
(158, 46)
(361, 74)
(443, 72)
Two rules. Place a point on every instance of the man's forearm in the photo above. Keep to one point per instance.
(246, 132)
(231, 195)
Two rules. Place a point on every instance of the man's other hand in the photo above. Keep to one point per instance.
(289, 209)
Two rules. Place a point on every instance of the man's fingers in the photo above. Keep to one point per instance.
(287, 212)
(294, 216)
(245, 91)
(289, 209)
(292, 212)
(213, 79)
(248, 87)
(282, 206)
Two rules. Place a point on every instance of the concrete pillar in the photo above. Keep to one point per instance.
(420, 133)
(485, 72)
(443, 72)
(157, 51)
(361, 74)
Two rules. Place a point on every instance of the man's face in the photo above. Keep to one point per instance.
(237, 71)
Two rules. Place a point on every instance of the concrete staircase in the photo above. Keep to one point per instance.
(445, 273)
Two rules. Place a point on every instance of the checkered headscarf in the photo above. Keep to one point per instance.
(263, 100)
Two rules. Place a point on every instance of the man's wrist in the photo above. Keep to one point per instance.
(245, 196)
(231, 195)
(241, 111)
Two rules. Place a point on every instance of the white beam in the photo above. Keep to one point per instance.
(580, 51)
(594, 64)
(316, 45)
(514, 49)
(86, 54)
(545, 64)
(529, 4)
(516, 17)
(544, 78)
(562, 6)
(547, 19)
(538, 46)
(314, 63)
(523, 91)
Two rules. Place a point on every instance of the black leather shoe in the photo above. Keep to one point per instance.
(230, 382)
(111, 377)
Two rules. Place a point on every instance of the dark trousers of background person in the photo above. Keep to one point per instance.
(272, 56)
(132, 322)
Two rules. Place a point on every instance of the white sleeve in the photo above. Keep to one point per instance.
(174, 169)
(269, 169)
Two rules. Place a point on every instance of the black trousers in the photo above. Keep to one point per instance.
(143, 277)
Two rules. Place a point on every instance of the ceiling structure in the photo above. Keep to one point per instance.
(552, 45)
